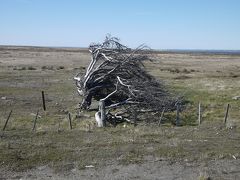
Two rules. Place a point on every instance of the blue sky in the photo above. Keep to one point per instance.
(160, 24)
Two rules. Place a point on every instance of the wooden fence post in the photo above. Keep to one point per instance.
(58, 126)
(6, 122)
(114, 122)
(199, 114)
(70, 120)
(177, 116)
(35, 122)
(43, 101)
(103, 113)
(135, 118)
(160, 120)
(226, 114)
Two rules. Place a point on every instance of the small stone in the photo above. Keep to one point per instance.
(89, 166)
(236, 98)
(32, 114)
(74, 170)
(3, 98)
(64, 111)
(86, 115)
(41, 168)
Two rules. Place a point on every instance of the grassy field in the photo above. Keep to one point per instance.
(213, 80)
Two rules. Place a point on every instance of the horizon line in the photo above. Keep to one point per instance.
(154, 49)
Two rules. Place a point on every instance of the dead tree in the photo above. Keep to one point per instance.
(116, 75)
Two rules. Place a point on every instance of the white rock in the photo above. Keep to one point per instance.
(32, 114)
(236, 98)
(90, 166)
(98, 119)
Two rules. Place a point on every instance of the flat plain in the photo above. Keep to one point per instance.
(191, 151)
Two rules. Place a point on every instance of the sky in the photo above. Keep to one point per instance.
(160, 24)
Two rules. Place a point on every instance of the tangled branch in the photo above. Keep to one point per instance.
(116, 74)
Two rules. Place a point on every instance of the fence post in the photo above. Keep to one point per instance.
(226, 114)
(70, 120)
(102, 111)
(58, 126)
(135, 118)
(199, 114)
(43, 101)
(35, 121)
(160, 120)
(6, 122)
(177, 116)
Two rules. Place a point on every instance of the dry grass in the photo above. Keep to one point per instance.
(213, 80)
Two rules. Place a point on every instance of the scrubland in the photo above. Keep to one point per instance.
(190, 151)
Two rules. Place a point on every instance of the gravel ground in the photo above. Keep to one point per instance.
(152, 169)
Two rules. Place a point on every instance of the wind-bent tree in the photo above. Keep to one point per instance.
(116, 75)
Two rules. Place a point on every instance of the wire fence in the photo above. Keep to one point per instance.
(191, 114)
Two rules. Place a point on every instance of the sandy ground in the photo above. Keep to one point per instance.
(155, 169)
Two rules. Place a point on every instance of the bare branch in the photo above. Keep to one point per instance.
(116, 74)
